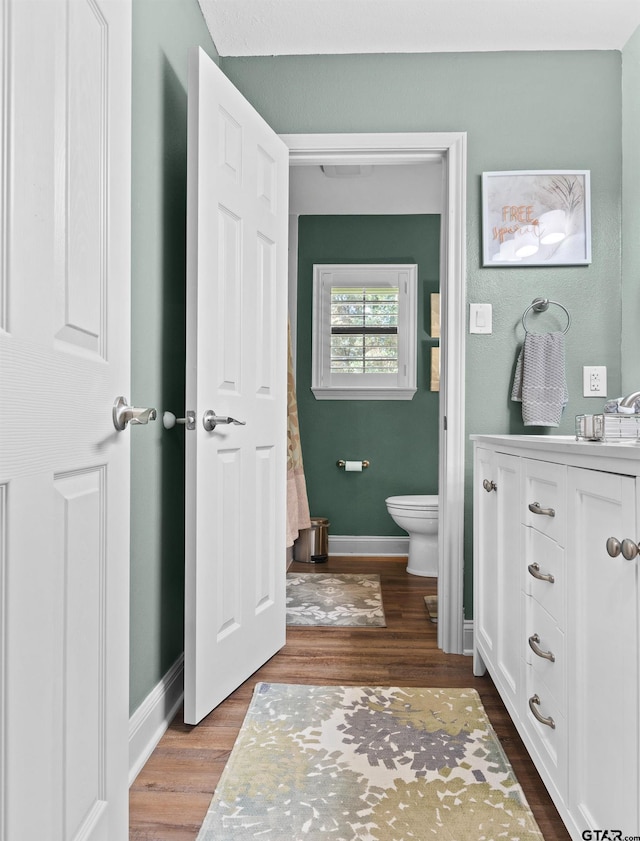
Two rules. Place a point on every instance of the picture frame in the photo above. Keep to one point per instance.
(536, 218)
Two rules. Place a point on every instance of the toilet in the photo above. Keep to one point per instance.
(418, 515)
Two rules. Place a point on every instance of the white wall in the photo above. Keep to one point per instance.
(389, 189)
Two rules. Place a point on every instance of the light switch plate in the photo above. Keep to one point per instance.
(480, 318)
(594, 381)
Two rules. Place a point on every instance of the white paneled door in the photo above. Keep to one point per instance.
(64, 470)
(236, 369)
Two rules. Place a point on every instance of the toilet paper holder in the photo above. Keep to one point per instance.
(342, 463)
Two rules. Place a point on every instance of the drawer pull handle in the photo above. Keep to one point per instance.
(489, 486)
(534, 702)
(536, 508)
(534, 641)
(534, 569)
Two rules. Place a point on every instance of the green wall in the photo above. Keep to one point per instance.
(398, 437)
(533, 110)
(631, 214)
(163, 33)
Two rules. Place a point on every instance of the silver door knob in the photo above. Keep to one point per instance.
(629, 549)
(489, 485)
(210, 420)
(123, 414)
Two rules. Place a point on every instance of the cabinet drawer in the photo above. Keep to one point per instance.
(543, 497)
(543, 572)
(548, 742)
(544, 651)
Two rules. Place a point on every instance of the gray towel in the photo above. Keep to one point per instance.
(540, 381)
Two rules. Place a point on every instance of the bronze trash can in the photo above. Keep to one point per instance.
(312, 545)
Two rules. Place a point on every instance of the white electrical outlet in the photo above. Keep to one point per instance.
(594, 380)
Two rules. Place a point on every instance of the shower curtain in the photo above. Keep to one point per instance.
(297, 502)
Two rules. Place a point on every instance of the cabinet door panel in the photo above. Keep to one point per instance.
(498, 561)
(485, 555)
(603, 654)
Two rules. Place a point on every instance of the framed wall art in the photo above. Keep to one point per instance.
(536, 218)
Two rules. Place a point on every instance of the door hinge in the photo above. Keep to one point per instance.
(444, 423)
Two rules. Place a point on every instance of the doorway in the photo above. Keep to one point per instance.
(415, 148)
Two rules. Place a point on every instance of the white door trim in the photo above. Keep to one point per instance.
(316, 149)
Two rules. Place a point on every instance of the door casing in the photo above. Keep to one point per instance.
(417, 147)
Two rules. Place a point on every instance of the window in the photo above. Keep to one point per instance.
(364, 332)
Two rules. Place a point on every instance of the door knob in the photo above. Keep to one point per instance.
(629, 549)
(210, 420)
(123, 414)
(489, 485)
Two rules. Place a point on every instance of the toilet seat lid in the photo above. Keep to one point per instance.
(414, 501)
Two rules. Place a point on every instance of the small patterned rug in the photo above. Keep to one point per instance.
(334, 600)
(367, 764)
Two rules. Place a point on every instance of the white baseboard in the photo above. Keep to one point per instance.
(467, 637)
(153, 716)
(347, 544)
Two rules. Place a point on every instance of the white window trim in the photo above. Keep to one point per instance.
(401, 386)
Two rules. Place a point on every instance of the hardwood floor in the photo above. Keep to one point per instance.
(170, 796)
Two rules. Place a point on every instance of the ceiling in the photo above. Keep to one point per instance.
(312, 27)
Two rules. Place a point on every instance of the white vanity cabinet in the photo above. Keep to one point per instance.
(557, 618)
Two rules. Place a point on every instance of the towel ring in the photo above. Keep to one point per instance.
(542, 305)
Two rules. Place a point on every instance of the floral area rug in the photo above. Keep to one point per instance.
(367, 764)
(329, 599)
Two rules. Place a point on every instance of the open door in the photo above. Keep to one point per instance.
(65, 143)
(236, 390)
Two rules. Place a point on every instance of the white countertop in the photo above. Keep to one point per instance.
(608, 454)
